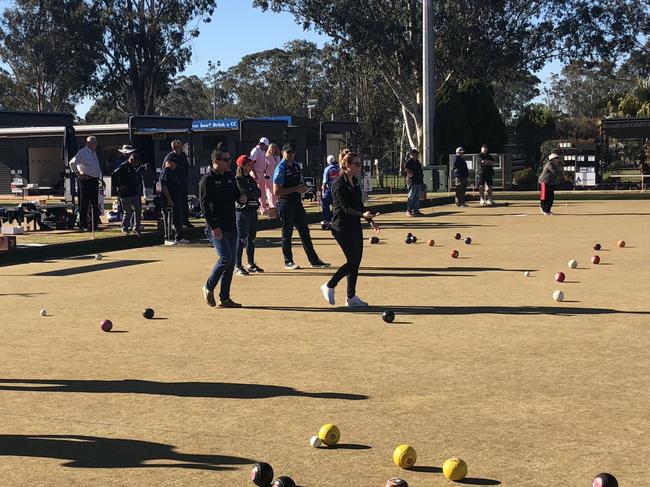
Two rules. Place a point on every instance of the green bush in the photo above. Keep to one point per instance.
(524, 176)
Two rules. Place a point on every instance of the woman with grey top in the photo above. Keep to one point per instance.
(549, 180)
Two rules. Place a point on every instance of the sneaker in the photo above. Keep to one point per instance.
(124, 233)
(240, 271)
(491, 203)
(320, 264)
(355, 302)
(228, 303)
(251, 268)
(291, 265)
(209, 297)
(462, 205)
(138, 233)
(409, 213)
(170, 242)
(418, 213)
(182, 241)
(482, 202)
(328, 293)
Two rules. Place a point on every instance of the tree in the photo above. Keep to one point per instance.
(635, 103)
(483, 117)
(280, 81)
(188, 97)
(50, 49)
(146, 43)
(497, 39)
(274, 82)
(535, 125)
(104, 110)
(583, 89)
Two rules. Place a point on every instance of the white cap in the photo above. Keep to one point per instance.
(264, 141)
(553, 156)
(459, 150)
(331, 159)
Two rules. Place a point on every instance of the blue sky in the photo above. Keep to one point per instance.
(238, 29)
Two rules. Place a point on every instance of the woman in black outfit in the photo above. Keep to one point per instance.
(348, 209)
(246, 216)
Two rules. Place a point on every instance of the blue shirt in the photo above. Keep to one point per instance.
(287, 176)
(330, 175)
(169, 178)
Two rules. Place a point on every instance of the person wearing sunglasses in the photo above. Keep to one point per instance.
(218, 193)
(346, 227)
(288, 186)
(246, 218)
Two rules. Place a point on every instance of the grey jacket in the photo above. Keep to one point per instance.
(551, 173)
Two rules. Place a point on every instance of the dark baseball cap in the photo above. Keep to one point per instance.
(288, 148)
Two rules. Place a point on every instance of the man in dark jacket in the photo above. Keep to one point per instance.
(172, 191)
(218, 193)
(288, 186)
(460, 177)
(485, 172)
(182, 171)
(414, 183)
(126, 182)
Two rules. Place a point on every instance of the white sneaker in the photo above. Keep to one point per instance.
(209, 296)
(183, 241)
(328, 293)
(544, 212)
(170, 242)
(291, 265)
(355, 302)
(482, 202)
(490, 202)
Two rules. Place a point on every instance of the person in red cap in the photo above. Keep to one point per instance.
(246, 216)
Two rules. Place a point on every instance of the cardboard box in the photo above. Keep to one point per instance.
(7, 243)
(13, 230)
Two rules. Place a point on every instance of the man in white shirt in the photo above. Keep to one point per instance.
(258, 155)
(86, 167)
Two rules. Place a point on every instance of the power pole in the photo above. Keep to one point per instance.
(429, 84)
(212, 67)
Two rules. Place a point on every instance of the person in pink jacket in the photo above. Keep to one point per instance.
(272, 160)
(258, 155)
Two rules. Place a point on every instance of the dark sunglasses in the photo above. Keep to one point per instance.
(290, 151)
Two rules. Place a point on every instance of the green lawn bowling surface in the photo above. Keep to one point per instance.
(480, 362)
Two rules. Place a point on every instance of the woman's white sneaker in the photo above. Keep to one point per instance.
(355, 302)
(328, 293)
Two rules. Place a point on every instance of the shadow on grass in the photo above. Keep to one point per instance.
(478, 481)
(226, 390)
(73, 271)
(23, 295)
(466, 480)
(557, 310)
(349, 446)
(327, 272)
(445, 269)
(425, 469)
(97, 452)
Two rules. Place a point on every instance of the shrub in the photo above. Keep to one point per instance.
(524, 176)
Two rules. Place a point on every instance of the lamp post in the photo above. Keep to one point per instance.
(428, 88)
(212, 68)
